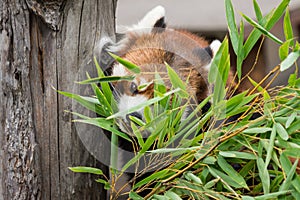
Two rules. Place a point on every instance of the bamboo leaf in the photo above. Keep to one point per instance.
(270, 146)
(257, 130)
(104, 85)
(262, 29)
(177, 82)
(240, 54)
(135, 196)
(233, 31)
(237, 154)
(156, 175)
(106, 184)
(137, 134)
(231, 172)
(194, 178)
(142, 105)
(289, 61)
(88, 102)
(268, 22)
(264, 175)
(284, 50)
(257, 10)
(287, 26)
(218, 174)
(172, 195)
(290, 120)
(107, 79)
(272, 195)
(129, 65)
(288, 181)
(214, 67)
(90, 170)
(281, 131)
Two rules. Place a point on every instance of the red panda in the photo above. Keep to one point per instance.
(150, 44)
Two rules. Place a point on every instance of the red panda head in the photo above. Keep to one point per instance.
(150, 44)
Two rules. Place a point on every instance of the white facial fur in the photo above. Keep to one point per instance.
(119, 70)
(215, 45)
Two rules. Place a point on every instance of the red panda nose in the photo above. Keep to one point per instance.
(134, 114)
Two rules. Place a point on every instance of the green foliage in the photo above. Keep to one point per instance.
(215, 157)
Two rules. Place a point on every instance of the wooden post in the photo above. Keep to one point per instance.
(44, 44)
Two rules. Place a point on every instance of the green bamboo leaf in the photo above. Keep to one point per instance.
(273, 195)
(281, 131)
(160, 197)
(284, 50)
(270, 146)
(88, 102)
(142, 105)
(247, 198)
(247, 167)
(240, 54)
(289, 61)
(287, 26)
(214, 67)
(90, 170)
(268, 22)
(257, 130)
(290, 120)
(237, 154)
(285, 163)
(104, 85)
(107, 79)
(172, 195)
(155, 176)
(233, 31)
(102, 99)
(135, 196)
(227, 179)
(104, 182)
(257, 10)
(262, 29)
(218, 73)
(137, 134)
(136, 120)
(148, 114)
(264, 175)
(191, 177)
(129, 65)
(231, 172)
(296, 184)
(148, 143)
(288, 181)
(177, 82)
(211, 183)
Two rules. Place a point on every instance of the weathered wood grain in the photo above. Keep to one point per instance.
(38, 139)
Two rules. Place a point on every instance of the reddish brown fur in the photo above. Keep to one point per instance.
(151, 51)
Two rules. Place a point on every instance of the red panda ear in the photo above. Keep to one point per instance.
(160, 25)
(151, 22)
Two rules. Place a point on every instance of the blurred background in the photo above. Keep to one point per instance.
(207, 18)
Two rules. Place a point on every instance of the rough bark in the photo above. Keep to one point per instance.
(44, 44)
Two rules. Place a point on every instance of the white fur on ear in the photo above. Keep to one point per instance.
(152, 17)
(102, 44)
(215, 45)
(148, 21)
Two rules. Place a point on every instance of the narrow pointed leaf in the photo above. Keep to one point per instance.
(289, 61)
(129, 65)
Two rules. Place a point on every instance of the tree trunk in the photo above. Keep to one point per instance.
(45, 44)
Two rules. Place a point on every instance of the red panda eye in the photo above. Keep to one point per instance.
(133, 88)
